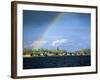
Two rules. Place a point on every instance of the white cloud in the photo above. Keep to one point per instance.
(36, 43)
(59, 42)
(40, 42)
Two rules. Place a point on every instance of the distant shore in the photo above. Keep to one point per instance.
(41, 52)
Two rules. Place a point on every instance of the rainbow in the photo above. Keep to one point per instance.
(50, 25)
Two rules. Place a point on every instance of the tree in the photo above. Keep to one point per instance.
(27, 51)
(84, 51)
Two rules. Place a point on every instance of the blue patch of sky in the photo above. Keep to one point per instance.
(74, 28)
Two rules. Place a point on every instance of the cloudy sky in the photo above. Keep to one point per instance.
(66, 30)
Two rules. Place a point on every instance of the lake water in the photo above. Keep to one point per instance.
(56, 61)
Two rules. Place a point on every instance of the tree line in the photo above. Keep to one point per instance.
(54, 52)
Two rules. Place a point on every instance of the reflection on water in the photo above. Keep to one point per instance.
(56, 61)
